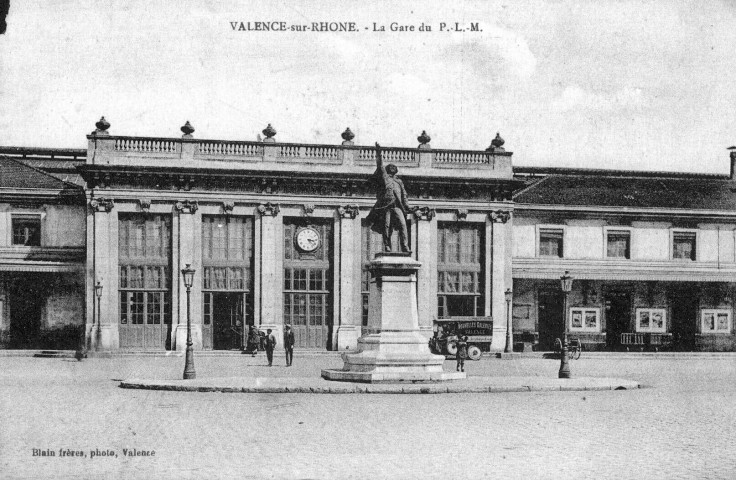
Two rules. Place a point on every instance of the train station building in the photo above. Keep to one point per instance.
(277, 234)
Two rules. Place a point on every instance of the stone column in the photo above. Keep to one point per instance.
(104, 334)
(271, 270)
(426, 253)
(186, 255)
(500, 275)
(349, 328)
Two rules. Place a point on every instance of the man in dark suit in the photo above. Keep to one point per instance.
(289, 344)
(270, 345)
(391, 206)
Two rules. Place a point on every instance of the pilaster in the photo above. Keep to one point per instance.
(500, 275)
(104, 335)
(6, 226)
(271, 269)
(426, 253)
(349, 328)
(185, 252)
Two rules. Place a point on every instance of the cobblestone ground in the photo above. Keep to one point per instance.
(682, 427)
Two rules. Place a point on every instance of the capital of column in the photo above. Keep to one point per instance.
(425, 213)
(348, 211)
(269, 209)
(145, 204)
(499, 216)
(101, 204)
(186, 206)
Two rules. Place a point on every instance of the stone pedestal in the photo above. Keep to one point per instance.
(180, 336)
(393, 350)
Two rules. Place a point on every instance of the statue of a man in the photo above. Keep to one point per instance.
(389, 212)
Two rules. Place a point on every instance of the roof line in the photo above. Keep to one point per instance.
(530, 187)
(52, 152)
(38, 170)
(614, 173)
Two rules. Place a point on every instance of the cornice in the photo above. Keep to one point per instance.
(273, 183)
(617, 211)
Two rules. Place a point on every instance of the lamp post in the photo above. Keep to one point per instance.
(509, 295)
(566, 283)
(98, 331)
(189, 373)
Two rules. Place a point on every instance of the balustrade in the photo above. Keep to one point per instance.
(146, 145)
(394, 155)
(462, 157)
(314, 153)
(236, 149)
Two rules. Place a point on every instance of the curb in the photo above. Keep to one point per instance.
(477, 385)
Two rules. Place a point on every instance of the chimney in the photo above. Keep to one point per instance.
(733, 161)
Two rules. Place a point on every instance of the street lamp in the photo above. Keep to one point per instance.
(189, 373)
(98, 334)
(566, 282)
(509, 295)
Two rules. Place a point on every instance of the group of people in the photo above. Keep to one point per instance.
(258, 340)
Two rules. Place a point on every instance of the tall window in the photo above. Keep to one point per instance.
(227, 255)
(26, 230)
(550, 242)
(308, 282)
(618, 244)
(459, 270)
(145, 275)
(683, 245)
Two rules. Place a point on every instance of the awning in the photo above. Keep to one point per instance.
(620, 270)
(45, 267)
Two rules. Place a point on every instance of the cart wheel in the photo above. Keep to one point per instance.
(474, 353)
(452, 348)
(578, 351)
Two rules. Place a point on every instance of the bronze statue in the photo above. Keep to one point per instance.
(392, 205)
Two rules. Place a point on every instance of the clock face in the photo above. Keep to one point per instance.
(307, 239)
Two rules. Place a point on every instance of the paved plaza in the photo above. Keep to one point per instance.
(680, 426)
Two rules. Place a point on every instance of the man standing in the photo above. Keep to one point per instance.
(270, 345)
(254, 340)
(289, 345)
(391, 206)
(462, 352)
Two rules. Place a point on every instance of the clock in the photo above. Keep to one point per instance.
(307, 239)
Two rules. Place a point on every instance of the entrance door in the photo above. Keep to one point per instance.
(227, 321)
(550, 318)
(26, 307)
(618, 317)
(684, 303)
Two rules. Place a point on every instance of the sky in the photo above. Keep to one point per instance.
(645, 85)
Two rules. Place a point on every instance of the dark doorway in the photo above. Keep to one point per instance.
(227, 321)
(26, 306)
(684, 303)
(618, 317)
(550, 318)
